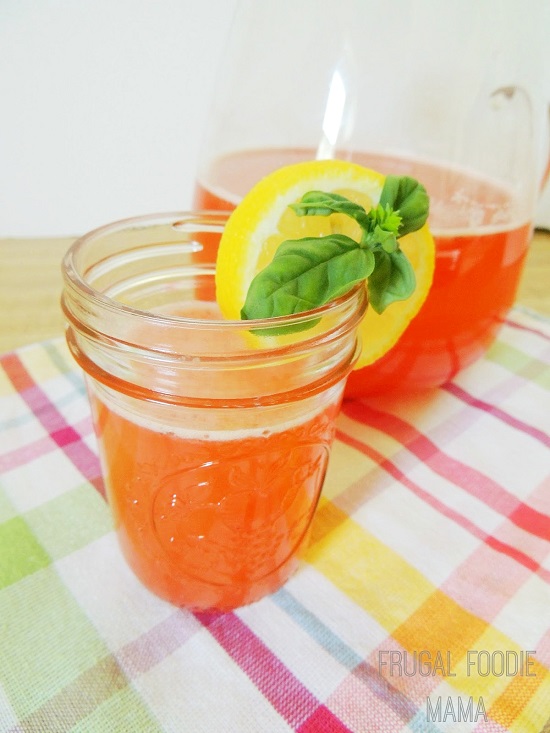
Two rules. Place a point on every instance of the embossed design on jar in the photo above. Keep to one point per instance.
(241, 518)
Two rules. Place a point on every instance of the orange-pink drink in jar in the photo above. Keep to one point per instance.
(213, 511)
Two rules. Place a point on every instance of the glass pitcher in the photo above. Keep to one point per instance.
(454, 93)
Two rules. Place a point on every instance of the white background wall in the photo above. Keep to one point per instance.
(102, 106)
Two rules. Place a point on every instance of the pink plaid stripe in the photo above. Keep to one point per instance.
(66, 437)
(466, 477)
(41, 447)
(322, 720)
(528, 329)
(446, 511)
(294, 702)
(495, 411)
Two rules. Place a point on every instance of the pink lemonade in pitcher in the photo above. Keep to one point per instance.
(481, 246)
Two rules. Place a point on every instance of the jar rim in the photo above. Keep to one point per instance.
(147, 354)
(205, 221)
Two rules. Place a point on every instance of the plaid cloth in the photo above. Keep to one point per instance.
(423, 604)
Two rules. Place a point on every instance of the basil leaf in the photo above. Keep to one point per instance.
(305, 274)
(392, 279)
(319, 203)
(409, 198)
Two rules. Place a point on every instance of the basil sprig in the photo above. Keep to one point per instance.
(307, 273)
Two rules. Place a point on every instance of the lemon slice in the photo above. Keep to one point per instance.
(263, 220)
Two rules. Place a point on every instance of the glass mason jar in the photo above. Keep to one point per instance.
(214, 437)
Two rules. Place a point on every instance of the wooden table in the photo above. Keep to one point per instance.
(30, 285)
